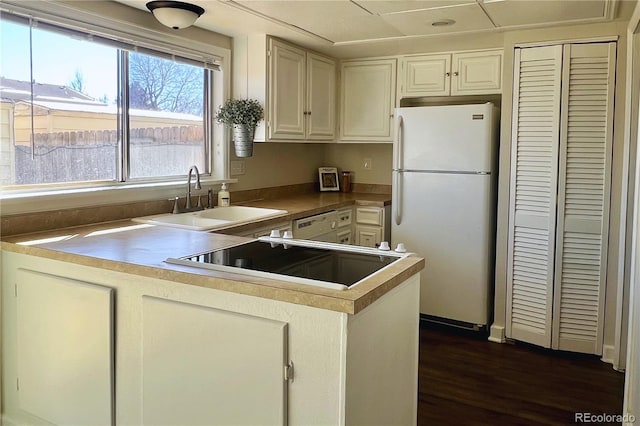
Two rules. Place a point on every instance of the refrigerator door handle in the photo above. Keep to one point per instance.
(399, 145)
(397, 202)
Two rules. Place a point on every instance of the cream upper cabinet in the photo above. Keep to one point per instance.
(321, 97)
(287, 78)
(301, 91)
(476, 73)
(367, 100)
(426, 74)
(459, 73)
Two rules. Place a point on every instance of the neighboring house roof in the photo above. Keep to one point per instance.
(17, 90)
(62, 98)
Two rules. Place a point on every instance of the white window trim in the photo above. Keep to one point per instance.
(31, 201)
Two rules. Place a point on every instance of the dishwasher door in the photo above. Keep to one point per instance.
(322, 227)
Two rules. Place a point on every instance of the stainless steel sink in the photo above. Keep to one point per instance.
(211, 219)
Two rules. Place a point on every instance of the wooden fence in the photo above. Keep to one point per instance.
(93, 155)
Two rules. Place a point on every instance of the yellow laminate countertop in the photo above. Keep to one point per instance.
(140, 249)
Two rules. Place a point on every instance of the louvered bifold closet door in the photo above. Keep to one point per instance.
(583, 196)
(532, 215)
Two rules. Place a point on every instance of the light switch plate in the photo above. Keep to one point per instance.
(237, 168)
(367, 163)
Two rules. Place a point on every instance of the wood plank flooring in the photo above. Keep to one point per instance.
(466, 380)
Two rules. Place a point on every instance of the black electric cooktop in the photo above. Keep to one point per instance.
(345, 267)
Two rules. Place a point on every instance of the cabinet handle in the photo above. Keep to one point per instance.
(455, 74)
(308, 112)
(447, 74)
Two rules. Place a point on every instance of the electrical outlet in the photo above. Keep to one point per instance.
(367, 163)
(237, 168)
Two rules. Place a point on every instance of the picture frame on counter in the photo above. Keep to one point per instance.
(328, 179)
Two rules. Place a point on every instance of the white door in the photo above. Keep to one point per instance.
(532, 214)
(583, 196)
(447, 219)
(449, 138)
(559, 197)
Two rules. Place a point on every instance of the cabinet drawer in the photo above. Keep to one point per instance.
(344, 217)
(370, 216)
(344, 237)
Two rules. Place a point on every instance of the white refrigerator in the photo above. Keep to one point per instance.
(443, 205)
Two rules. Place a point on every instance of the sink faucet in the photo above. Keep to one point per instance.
(197, 185)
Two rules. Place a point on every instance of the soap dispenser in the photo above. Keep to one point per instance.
(224, 198)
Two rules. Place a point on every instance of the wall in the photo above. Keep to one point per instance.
(279, 164)
(618, 195)
(632, 378)
(352, 157)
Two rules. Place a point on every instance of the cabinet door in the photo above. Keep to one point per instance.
(426, 75)
(532, 210)
(321, 97)
(476, 73)
(367, 100)
(368, 236)
(65, 349)
(285, 115)
(583, 196)
(203, 365)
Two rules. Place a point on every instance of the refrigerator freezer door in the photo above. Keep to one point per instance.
(447, 219)
(446, 138)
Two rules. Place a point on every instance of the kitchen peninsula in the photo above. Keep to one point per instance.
(98, 329)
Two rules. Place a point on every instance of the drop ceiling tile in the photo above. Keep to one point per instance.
(506, 13)
(468, 17)
(382, 7)
(336, 20)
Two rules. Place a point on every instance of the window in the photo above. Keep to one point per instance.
(80, 108)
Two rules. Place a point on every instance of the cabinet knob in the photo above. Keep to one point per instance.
(455, 74)
(447, 74)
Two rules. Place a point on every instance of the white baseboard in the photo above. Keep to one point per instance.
(496, 334)
(608, 354)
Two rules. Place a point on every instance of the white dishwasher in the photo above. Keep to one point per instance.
(321, 227)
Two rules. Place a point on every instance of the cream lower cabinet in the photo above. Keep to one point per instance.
(451, 74)
(65, 346)
(367, 100)
(372, 226)
(559, 195)
(302, 93)
(186, 354)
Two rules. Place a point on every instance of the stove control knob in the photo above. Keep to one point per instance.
(275, 233)
(384, 246)
(400, 248)
(288, 235)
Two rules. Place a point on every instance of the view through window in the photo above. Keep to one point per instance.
(62, 111)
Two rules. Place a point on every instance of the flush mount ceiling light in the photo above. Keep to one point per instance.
(175, 14)
(443, 23)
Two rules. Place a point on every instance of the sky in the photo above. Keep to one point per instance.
(56, 58)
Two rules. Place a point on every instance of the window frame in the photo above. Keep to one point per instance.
(60, 196)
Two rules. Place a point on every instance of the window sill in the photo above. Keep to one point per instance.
(34, 201)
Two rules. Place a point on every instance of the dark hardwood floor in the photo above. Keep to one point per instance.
(466, 380)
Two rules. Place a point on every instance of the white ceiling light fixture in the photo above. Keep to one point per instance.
(175, 14)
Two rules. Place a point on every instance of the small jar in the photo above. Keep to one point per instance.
(345, 181)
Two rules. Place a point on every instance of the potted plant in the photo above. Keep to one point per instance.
(243, 115)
